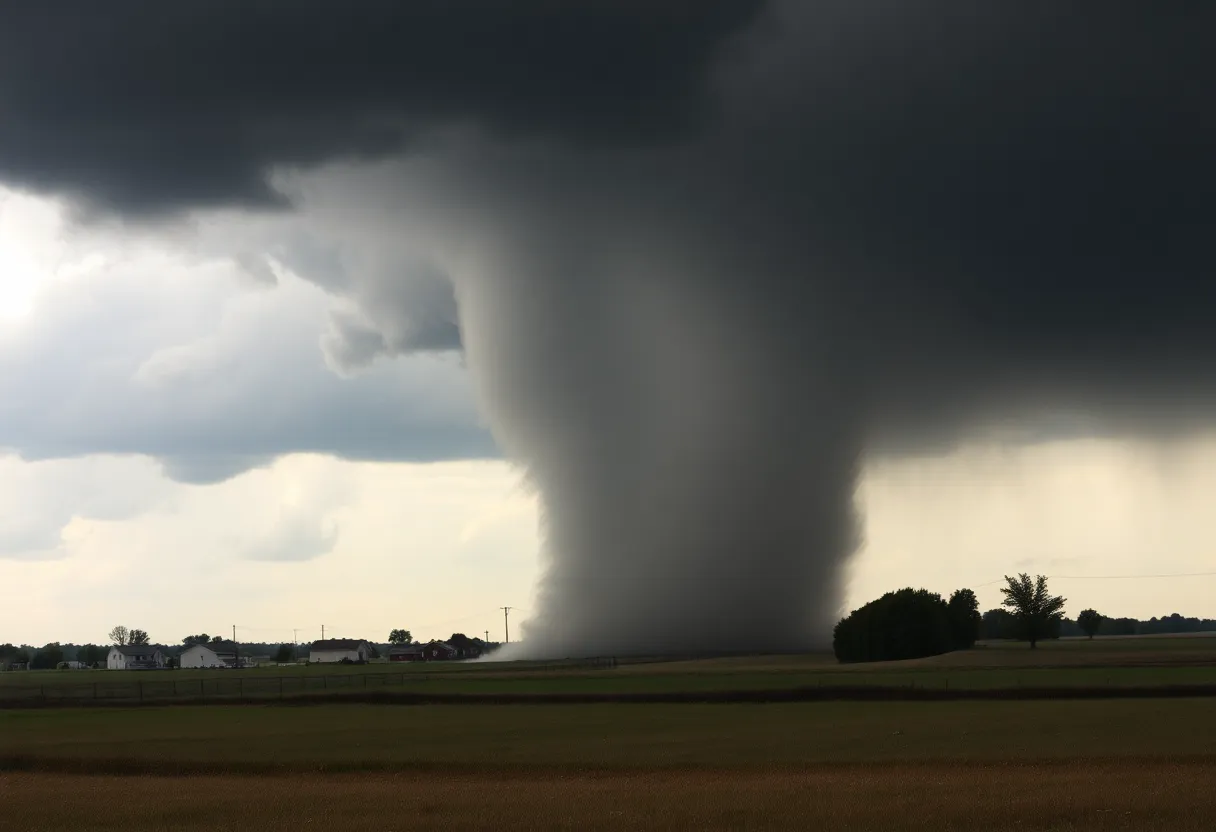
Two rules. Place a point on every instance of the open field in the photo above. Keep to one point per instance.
(1087, 796)
(993, 765)
(1100, 764)
(1101, 663)
(225, 739)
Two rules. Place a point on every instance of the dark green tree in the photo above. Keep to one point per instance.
(998, 624)
(1038, 611)
(137, 637)
(964, 611)
(907, 624)
(284, 654)
(91, 654)
(48, 658)
(400, 637)
(1089, 621)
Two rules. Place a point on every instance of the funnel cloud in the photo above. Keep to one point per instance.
(700, 257)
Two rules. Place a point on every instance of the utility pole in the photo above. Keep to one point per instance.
(322, 632)
(295, 644)
(487, 636)
(236, 648)
(506, 627)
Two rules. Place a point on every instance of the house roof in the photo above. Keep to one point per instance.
(405, 649)
(219, 648)
(136, 649)
(338, 644)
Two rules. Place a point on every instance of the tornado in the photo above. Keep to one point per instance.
(701, 259)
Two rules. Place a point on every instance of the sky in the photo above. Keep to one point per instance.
(113, 343)
(622, 315)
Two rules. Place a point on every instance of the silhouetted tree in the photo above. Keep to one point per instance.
(1089, 621)
(284, 654)
(466, 648)
(201, 638)
(964, 611)
(137, 637)
(119, 635)
(12, 654)
(91, 654)
(998, 624)
(907, 624)
(1036, 609)
(48, 658)
(400, 637)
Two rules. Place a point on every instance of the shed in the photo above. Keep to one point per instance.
(331, 650)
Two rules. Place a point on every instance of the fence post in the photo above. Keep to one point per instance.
(202, 690)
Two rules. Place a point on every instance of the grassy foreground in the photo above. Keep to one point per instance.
(600, 737)
(994, 765)
(1087, 796)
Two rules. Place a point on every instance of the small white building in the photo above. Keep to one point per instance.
(337, 649)
(208, 655)
(135, 657)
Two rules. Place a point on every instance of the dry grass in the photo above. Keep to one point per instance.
(369, 737)
(1164, 795)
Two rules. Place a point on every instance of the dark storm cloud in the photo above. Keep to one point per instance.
(407, 307)
(759, 245)
(147, 106)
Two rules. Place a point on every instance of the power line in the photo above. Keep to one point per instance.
(1131, 577)
(1110, 577)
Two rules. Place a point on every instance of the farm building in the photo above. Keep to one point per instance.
(135, 657)
(407, 653)
(435, 651)
(438, 651)
(337, 649)
(208, 655)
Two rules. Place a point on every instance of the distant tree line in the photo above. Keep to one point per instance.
(1000, 624)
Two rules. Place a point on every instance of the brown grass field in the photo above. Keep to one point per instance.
(1158, 795)
(991, 765)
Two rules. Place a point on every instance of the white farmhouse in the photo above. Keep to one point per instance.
(135, 657)
(208, 655)
(337, 649)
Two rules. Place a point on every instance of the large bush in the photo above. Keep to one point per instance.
(907, 624)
